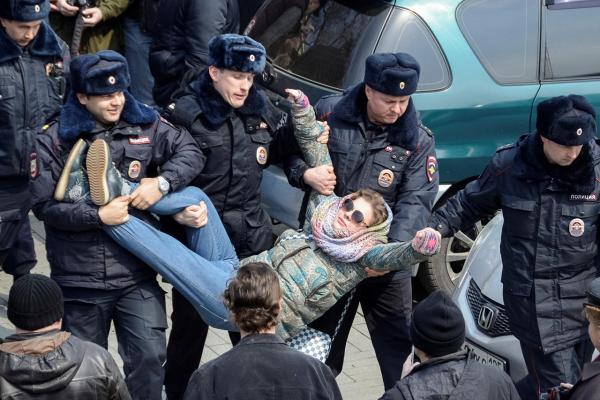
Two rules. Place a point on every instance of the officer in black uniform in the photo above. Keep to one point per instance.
(31, 91)
(377, 141)
(547, 185)
(101, 281)
(240, 132)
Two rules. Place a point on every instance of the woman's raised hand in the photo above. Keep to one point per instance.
(427, 241)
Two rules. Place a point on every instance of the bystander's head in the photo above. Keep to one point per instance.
(437, 327)
(254, 298)
(35, 302)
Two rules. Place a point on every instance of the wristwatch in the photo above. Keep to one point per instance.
(163, 185)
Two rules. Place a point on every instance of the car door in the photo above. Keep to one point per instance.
(570, 60)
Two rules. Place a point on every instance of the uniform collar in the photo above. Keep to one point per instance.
(44, 45)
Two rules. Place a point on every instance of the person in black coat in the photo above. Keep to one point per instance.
(437, 368)
(261, 366)
(240, 133)
(32, 65)
(180, 40)
(102, 282)
(547, 185)
(41, 361)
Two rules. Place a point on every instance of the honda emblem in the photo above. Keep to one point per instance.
(486, 317)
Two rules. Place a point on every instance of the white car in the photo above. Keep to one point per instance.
(479, 296)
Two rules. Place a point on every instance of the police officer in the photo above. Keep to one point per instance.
(101, 281)
(240, 132)
(377, 141)
(31, 89)
(547, 185)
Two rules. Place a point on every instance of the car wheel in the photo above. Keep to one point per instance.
(443, 270)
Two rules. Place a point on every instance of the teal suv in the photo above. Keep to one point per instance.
(486, 64)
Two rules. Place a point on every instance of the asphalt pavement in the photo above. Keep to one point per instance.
(359, 380)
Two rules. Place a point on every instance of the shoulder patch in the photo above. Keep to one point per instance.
(505, 147)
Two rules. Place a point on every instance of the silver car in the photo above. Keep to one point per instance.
(479, 296)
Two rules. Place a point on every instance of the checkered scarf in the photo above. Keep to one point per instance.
(340, 243)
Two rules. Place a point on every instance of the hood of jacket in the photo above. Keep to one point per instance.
(44, 45)
(75, 119)
(404, 132)
(216, 110)
(530, 163)
(39, 363)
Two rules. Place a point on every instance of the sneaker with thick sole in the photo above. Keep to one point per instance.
(72, 184)
(106, 182)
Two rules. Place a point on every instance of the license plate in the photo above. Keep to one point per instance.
(485, 357)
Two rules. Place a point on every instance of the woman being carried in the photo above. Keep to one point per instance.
(315, 269)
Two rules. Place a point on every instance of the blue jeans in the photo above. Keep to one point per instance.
(200, 272)
(137, 53)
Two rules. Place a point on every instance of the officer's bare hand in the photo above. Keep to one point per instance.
(324, 136)
(64, 8)
(116, 212)
(195, 216)
(373, 273)
(146, 194)
(427, 241)
(321, 179)
(91, 16)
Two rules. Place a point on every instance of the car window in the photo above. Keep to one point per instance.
(570, 41)
(407, 33)
(504, 35)
(319, 39)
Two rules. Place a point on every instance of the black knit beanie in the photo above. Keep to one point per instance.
(437, 326)
(35, 301)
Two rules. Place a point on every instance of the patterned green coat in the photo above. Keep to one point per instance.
(311, 280)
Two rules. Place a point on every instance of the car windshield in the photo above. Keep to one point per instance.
(319, 39)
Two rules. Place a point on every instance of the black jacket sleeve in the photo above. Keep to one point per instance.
(178, 155)
(479, 199)
(416, 194)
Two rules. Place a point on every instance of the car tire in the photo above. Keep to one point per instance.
(444, 270)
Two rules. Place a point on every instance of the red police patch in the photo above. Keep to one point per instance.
(431, 167)
(139, 140)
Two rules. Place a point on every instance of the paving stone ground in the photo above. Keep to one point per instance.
(359, 380)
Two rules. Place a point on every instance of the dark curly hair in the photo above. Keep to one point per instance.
(253, 297)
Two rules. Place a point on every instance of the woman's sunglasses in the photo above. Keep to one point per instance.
(357, 216)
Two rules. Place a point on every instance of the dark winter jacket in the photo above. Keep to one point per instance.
(183, 30)
(31, 92)
(57, 365)
(263, 367)
(238, 145)
(362, 154)
(548, 263)
(588, 387)
(141, 145)
(453, 377)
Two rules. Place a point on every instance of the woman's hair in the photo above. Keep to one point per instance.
(593, 314)
(253, 297)
(380, 213)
